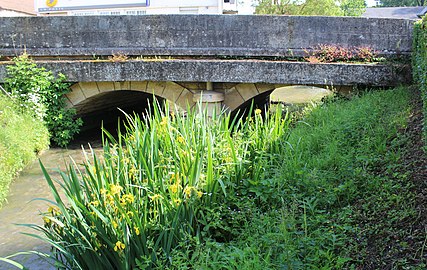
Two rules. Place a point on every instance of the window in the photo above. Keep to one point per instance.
(189, 10)
(82, 13)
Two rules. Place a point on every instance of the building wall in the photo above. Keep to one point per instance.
(11, 13)
(21, 6)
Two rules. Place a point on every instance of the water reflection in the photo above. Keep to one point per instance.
(21, 206)
(298, 94)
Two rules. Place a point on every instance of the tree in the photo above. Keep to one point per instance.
(353, 7)
(402, 3)
(311, 7)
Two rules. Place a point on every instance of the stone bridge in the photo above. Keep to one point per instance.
(224, 60)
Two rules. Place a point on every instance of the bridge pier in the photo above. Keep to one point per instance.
(210, 100)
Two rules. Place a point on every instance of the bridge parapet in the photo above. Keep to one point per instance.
(195, 35)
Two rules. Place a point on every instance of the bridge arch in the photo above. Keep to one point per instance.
(83, 93)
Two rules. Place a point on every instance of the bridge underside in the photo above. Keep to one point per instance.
(89, 97)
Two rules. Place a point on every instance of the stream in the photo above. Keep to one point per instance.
(21, 208)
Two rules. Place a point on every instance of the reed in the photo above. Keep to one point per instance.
(155, 186)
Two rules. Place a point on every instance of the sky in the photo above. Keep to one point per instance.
(245, 6)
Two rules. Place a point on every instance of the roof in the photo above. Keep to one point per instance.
(412, 13)
(24, 6)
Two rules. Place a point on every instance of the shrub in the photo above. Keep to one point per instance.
(419, 63)
(39, 91)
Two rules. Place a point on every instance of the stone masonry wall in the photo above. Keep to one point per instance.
(194, 35)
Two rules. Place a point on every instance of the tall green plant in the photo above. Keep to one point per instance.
(166, 180)
(419, 63)
(41, 92)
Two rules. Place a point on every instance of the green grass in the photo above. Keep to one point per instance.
(21, 137)
(270, 193)
(335, 173)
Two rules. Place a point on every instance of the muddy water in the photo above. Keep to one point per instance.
(22, 208)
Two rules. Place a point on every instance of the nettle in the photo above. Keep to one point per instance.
(38, 90)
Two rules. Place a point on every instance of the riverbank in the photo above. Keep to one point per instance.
(354, 200)
(21, 138)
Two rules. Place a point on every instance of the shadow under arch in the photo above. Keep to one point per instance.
(83, 93)
(108, 110)
(260, 101)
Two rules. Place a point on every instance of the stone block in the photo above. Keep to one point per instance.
(247, 90)
(122, 85)
(76, 95)
(233, 99)
(105, 86)
(89, 89)
(139, 86)
(156, 88)
(173, 91)
(185, 100)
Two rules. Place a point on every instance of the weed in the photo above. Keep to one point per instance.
(118, 57)
(333, 53)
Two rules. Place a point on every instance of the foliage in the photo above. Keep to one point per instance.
(311, 7)
(419, 64)
(402, 3)
(168, 179)
(39, 91)
(21, 137)
(332, 53)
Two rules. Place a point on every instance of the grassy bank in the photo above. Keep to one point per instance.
(21, 137)
(186, 193)
(346, 201)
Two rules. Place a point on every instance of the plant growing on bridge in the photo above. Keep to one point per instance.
(333, 53)
(41, 92)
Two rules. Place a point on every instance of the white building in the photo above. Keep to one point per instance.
(134, 7)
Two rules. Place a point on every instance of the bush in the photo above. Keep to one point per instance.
(419, 63)
(21, 137)
(39, 91)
